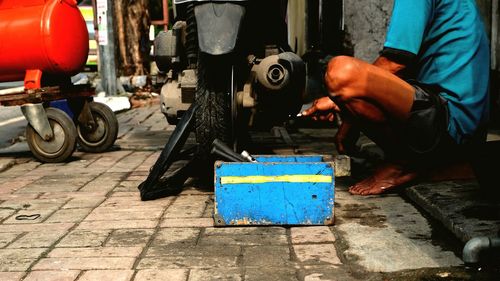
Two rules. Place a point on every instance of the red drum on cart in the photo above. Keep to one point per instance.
(48, 36)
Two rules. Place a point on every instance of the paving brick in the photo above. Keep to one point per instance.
(264, 231)
(36, 216)
(85, 263)
(129, 237)
(22, 169)
(191, 190)
(5, 213)
(125, 194)
(69, 215)
(137, 178)
(18, 259)
(27, 203)
(84, 202)
(43, 239)
(129, 213)
(325, 272)
(108, 159)
(187, 262)
(57, 183)
(315, 234)
(35, 227)
(127, 186)
(114, 275)
(11, 276)
(188, 222)
(167, 274)
(270, 274)
(7, 237)
(14, 196)
(130, 162)
(45, 169)
(177, 236)
(317, 254)
(189, 250)
(104, 186)
(251, 237)
(139, 173)
(14, 185)
(95, 252)
(84, 238)
(246, 240)
(188, 207)
(6, 163)
(18, 264)
(109, 176)
(223, 274)
(52, 275)
(126, 202)
(71, 195)
(117, 224)
(273, 256)
(149, 162)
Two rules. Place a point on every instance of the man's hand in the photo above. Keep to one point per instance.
(322, 109)
(346, 138)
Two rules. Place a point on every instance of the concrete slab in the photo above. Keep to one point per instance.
(387, 234)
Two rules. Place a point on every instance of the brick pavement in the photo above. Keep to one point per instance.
(83, 220)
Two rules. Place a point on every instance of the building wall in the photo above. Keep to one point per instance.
(365, 26)
(366, 23)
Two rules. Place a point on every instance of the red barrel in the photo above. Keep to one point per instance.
(46, 35)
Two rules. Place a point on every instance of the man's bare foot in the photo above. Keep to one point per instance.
(383, 179)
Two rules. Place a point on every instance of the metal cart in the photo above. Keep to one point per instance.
(52, 133)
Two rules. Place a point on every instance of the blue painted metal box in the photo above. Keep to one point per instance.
(278, 190)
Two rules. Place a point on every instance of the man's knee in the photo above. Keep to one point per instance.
(342, 73)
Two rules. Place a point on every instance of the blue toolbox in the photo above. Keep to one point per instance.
(276, 190)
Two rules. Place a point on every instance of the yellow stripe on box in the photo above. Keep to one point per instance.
(284, 178)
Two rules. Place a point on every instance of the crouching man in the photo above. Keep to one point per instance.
(440, 44)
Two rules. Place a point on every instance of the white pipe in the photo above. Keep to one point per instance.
(17, 90)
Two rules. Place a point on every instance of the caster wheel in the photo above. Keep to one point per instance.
(62, 144)
(103, 135)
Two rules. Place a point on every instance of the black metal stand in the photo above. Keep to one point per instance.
(155, 186)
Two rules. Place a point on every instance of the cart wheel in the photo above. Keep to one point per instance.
(104, 134)
(61, 146)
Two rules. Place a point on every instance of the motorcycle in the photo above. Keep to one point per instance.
(234, 60)
(226, 68)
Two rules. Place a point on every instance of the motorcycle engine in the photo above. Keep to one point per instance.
(276, 88)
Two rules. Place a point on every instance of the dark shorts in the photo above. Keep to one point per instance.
(426, 130)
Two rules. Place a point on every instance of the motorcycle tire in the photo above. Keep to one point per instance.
(213, 117)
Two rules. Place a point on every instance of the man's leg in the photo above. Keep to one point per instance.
(380, 102)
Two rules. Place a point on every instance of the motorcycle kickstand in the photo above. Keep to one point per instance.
(154, 187)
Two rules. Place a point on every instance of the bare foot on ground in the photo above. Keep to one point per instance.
(385, 178)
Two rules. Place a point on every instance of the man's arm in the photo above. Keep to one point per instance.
(348, 132)
(389, 65)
